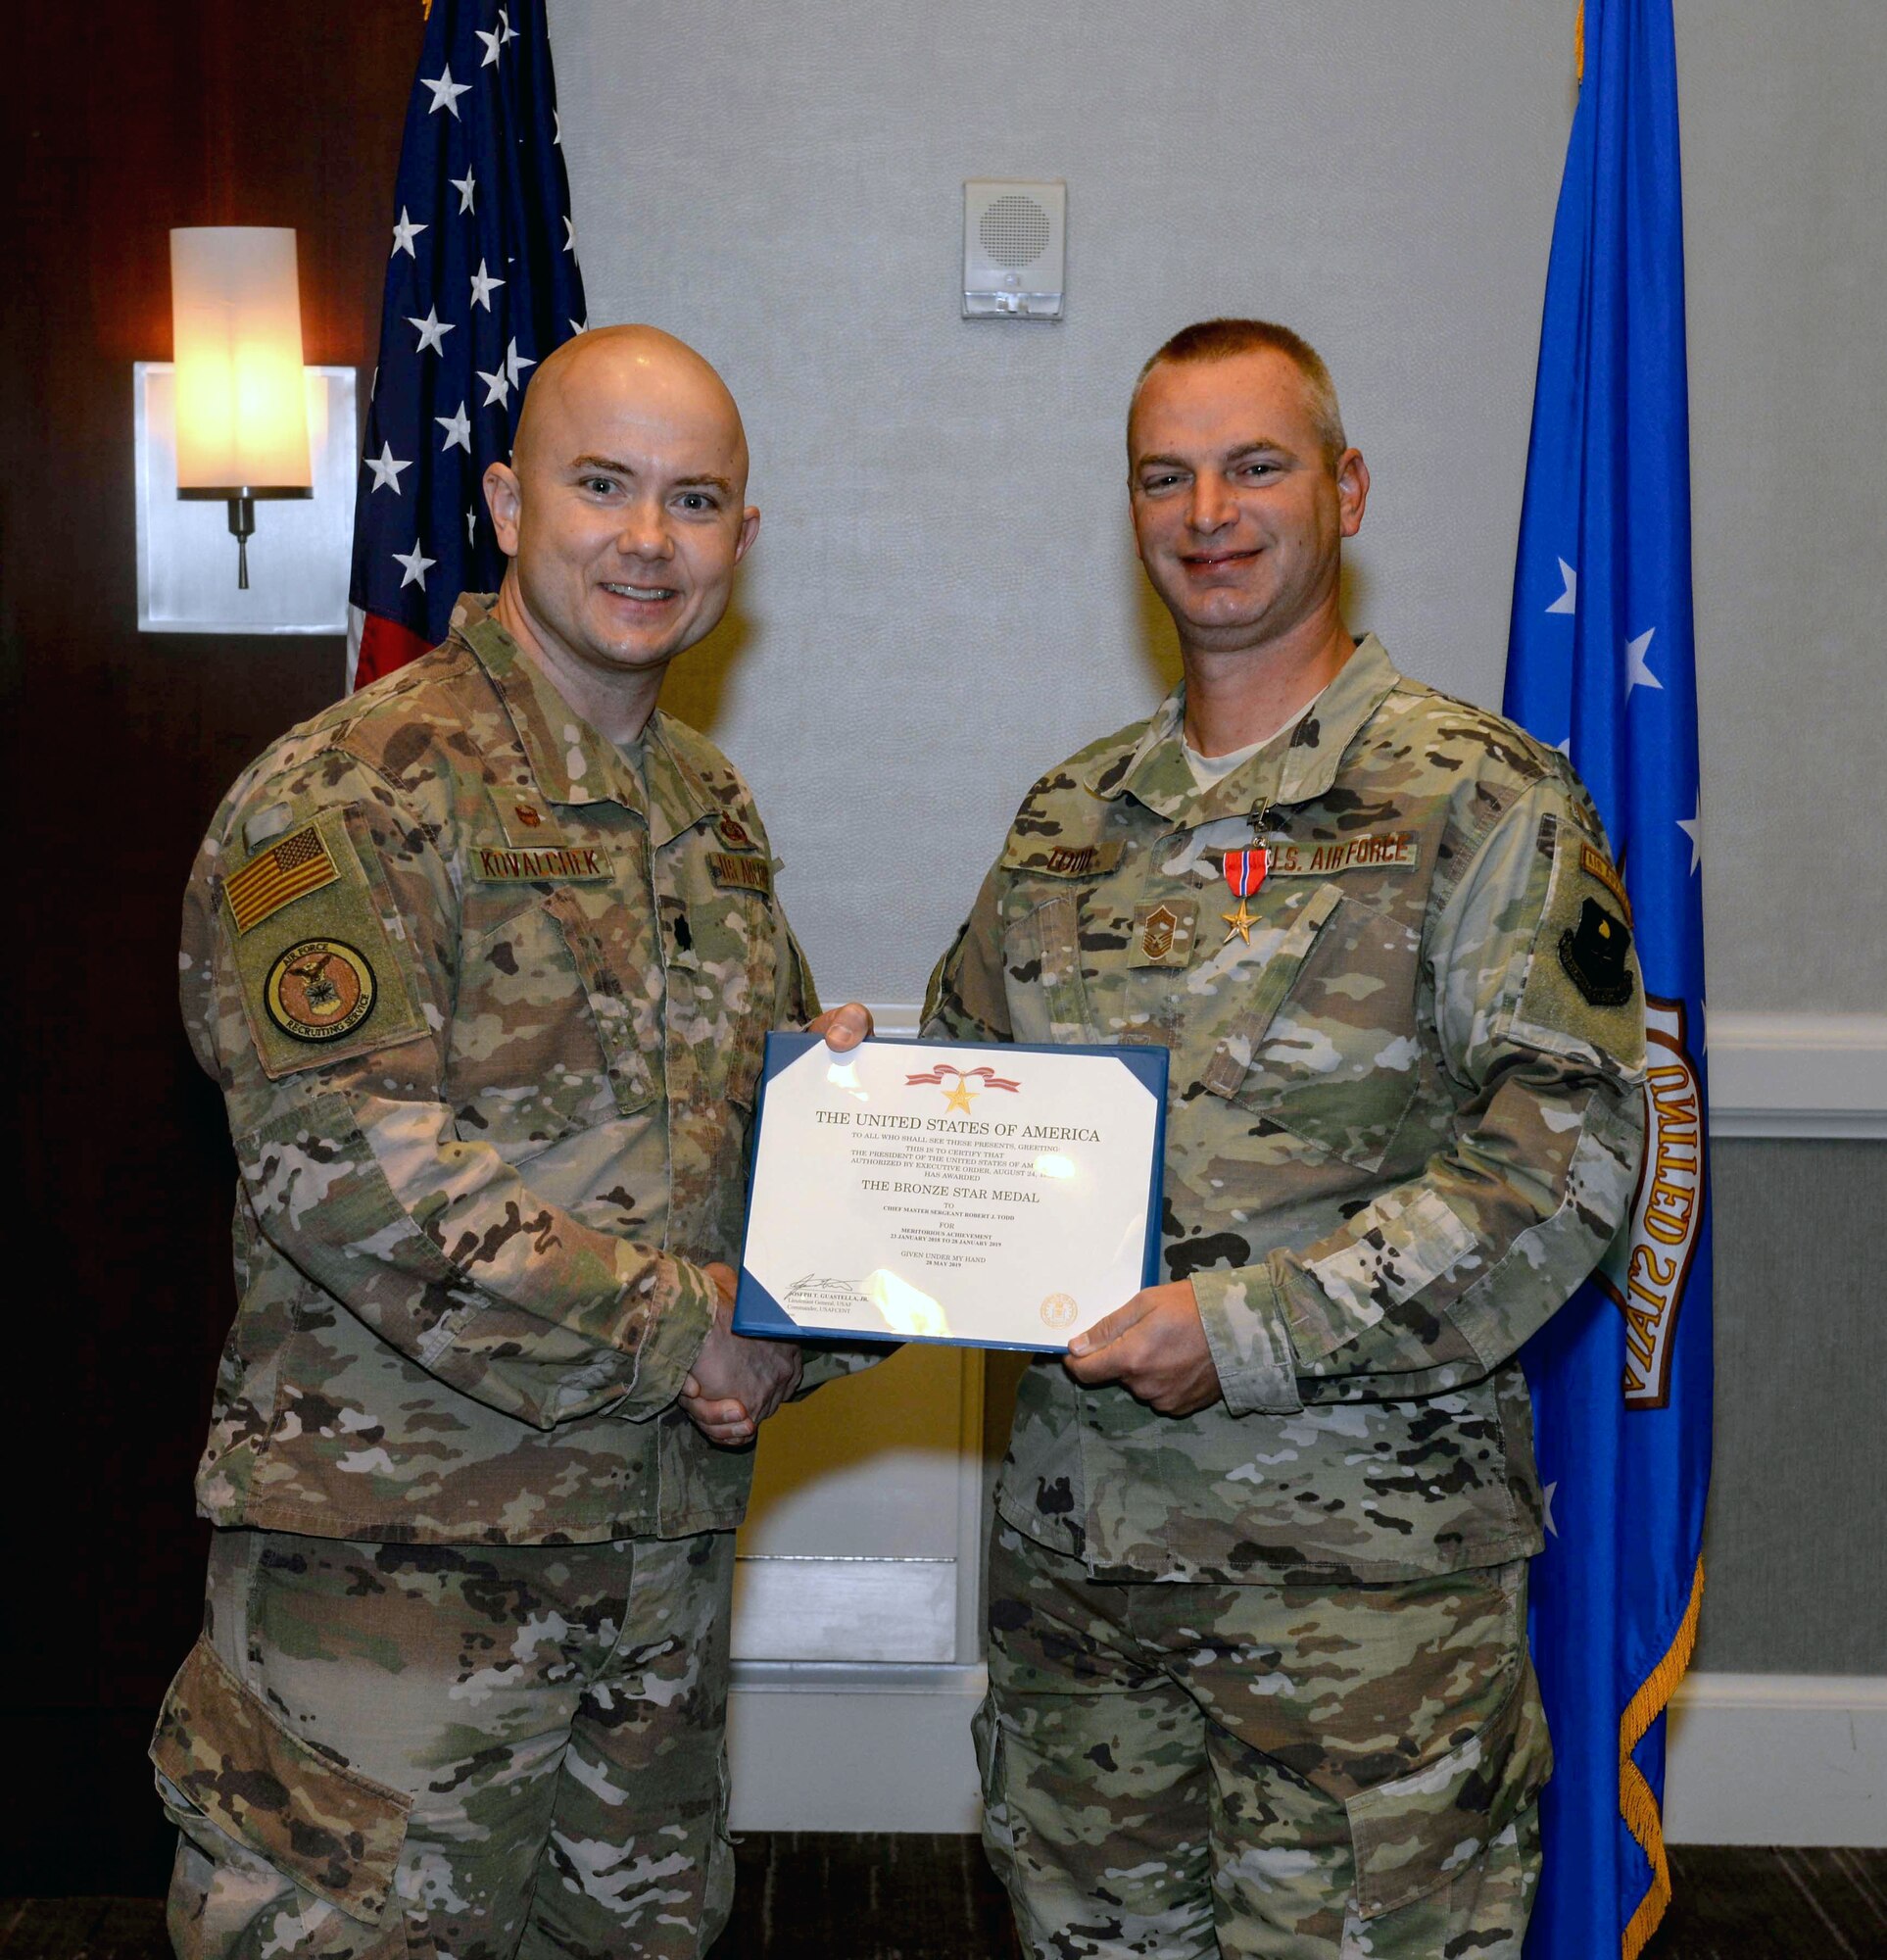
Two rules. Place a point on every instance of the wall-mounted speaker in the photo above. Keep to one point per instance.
(1014, 248)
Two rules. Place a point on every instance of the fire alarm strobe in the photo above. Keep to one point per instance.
(1014, 236)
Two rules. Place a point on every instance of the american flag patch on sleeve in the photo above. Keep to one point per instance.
(284, 872)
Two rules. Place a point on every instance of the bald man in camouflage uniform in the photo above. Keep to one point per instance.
(1259, 1680)
(482, 960)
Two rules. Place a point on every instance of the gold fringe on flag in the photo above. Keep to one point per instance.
(1636, 1804)
(1578, 41)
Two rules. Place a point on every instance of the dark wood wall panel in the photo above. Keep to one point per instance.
(126, 120)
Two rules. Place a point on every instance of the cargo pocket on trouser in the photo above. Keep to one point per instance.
(999, 1834)
(717, 1882)
(1453, 1847)
(284, 1852)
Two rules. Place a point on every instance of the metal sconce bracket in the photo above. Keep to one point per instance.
(302, 550)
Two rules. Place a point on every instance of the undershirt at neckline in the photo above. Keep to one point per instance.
(1210, 771)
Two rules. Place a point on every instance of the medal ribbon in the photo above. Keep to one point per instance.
(987, 1076)
(1246, 869)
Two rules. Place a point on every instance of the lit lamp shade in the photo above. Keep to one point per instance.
(241, 402)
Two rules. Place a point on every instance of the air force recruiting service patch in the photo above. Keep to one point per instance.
(320, 990)
(325, 980)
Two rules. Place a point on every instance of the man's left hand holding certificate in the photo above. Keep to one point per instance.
(734, 1384)
(996, 1197)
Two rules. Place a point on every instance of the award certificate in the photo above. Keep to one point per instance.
(994, 1196)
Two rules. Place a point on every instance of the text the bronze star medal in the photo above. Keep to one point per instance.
(1240, 922)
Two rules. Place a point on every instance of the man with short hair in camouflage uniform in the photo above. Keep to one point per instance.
(1258, 1669)
(482, 960)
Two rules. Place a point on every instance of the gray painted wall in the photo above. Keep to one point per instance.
(1795, 1553)
(1795, 1557)
(1785, 152)
(943, 599)
(942, 602)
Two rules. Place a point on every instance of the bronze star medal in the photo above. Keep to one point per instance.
(1244, 873)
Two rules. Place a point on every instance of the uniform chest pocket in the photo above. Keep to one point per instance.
(1042, 973)
(723, 957)
(542, 1038)
(1326, 1042)
(620, 994)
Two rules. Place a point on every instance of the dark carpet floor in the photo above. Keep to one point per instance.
(825, 1897)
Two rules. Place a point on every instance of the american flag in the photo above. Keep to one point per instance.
(482, 283)
(290, 870)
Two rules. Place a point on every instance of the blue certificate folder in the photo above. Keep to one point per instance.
(758, 1312)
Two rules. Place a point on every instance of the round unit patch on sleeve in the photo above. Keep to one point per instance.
(320, 990)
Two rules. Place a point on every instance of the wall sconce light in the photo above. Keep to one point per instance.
(241, 409)
(238, 419)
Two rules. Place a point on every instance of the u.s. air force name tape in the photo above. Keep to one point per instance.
(1391, 848)
(752, 874)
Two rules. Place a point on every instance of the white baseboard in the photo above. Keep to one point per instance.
(1755, 1758)
(832, 1747)
(1777, 1759)
(1771, 1074)
(1798, 1075)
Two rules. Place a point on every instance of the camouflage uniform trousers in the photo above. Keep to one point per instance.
(1324, 1773)
(455, 1751)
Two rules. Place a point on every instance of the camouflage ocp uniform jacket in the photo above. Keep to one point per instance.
(486, 1004)
(1404, 1120)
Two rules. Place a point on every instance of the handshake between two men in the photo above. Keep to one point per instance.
(1153, 1344)
(482, 960)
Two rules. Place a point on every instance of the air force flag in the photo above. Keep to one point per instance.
(1601, 665)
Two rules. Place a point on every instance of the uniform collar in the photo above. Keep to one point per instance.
(1296, 766)
(569, 762)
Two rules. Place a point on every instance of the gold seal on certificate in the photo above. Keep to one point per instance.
(933, 1190)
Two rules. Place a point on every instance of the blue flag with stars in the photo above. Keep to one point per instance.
(1601, 665)
(481, 284)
